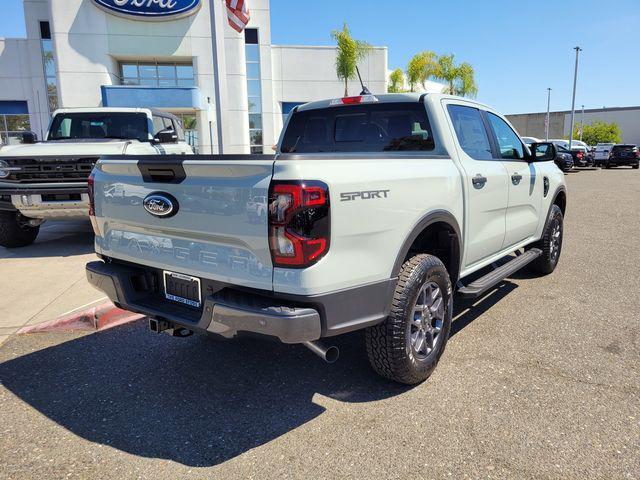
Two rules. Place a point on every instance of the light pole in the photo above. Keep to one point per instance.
(573, 101)
(582, 123)
(548, 120)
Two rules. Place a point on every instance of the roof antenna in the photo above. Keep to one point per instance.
(365, 90)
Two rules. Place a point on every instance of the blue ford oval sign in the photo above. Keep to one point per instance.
(161, 205)
(150, 9)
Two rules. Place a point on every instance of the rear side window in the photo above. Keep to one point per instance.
(471, 132)
(382, 127)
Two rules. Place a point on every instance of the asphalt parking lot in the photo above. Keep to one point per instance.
(541, 379)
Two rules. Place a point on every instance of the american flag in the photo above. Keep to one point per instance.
(237, 14)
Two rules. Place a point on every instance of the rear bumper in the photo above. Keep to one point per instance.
(228, 310)
(624, 161)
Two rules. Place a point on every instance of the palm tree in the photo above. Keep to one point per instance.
(459, 78)
(396, 81)
(420, 68)
(350, 52)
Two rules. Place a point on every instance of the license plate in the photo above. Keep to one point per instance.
(183, 289)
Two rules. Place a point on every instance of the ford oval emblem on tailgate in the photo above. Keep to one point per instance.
(161, 205)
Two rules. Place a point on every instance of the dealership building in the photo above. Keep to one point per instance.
(232, 90)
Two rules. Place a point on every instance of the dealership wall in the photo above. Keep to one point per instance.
(533, 124)
(89, 44)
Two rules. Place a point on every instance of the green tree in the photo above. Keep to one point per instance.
(396, 81)
(420, 68)
(460, 79)
(350, 52)
(599, 132)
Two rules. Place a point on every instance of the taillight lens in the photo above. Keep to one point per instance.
(90, 187)
(579, 155)
(299, 229)
(92, 204)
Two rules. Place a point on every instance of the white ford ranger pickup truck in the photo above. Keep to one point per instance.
(48, 180)
(378, 208)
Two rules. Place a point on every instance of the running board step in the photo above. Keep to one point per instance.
(491, 279)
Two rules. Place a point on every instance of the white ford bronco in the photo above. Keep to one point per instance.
(378, 209)
(48, 180)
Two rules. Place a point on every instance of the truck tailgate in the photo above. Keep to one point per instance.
(217, 230)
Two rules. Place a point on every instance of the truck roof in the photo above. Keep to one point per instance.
(408, 97)
(153, 111)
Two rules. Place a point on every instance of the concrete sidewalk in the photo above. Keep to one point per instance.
(47, 279)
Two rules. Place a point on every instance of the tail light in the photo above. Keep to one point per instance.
(299, 229)
(92, 204)
(579, 155)
(354, 100)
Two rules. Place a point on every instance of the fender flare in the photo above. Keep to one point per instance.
(437, 216)
(562, 189)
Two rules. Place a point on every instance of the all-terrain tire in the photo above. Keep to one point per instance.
(389, 345)
(13, 233)
(550, 244)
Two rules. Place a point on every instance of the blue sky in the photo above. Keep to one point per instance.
(517, 48)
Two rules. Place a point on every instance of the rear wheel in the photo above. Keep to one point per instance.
(15, 231)
(550, 244)
(636, 166)
(407, 346)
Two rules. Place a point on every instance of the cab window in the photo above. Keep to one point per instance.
(508, 142)
(158, 125)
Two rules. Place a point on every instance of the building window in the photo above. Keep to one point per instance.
(49, 65)
(254, 89)
(157, 74)
(14, 120)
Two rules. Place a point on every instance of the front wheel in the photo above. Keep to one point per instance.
(550, 244)
(407, 346)
(15, 232)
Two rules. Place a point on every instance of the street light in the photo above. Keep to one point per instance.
(548, 120)
(573, 101)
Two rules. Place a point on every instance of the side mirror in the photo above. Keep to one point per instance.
(543, 152)
(166, 136)
(29, 137)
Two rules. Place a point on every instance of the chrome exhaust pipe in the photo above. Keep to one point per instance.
(328, 354)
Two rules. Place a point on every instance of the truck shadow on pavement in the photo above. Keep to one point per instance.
(195, 401)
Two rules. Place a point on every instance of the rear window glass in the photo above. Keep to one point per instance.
(382, 127)
(624, 147)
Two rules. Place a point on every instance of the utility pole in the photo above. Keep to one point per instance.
(582, 123)
(573, 101)
(546, 126)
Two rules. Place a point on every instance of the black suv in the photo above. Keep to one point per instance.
(623, 155)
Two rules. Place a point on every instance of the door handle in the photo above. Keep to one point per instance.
(479, 181)
(515, 178)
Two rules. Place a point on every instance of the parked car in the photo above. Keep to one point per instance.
(378, 208)
(601, 153)
(578, 151)
(564, 159)
(48, 180)
(623, 155)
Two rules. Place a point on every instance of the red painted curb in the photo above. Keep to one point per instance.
(100, 317)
